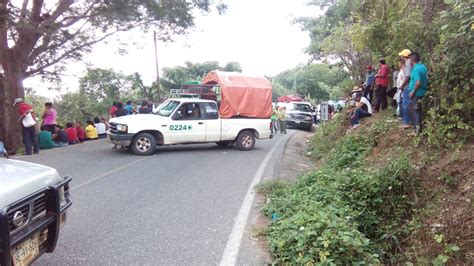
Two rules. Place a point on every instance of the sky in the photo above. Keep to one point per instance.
(258, 34)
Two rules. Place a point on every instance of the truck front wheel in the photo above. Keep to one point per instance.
(143, 144)
(245, 141)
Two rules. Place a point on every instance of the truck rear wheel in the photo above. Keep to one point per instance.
(143, 144)
(245, 140)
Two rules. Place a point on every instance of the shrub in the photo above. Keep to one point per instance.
(346, 212)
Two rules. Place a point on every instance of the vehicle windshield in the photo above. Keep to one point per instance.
(301, 107)
(167, 108)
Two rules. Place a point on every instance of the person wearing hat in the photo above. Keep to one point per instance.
(407, 67)
(381, 80)
(369, 82)
(28, 133)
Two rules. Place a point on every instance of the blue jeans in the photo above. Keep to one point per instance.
(414, 111)
(400, 106)
(30, 139)
(358, 114)
(405, 102)
(60, 144)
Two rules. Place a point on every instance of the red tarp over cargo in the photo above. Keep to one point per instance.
(289, 98)
(242, 95)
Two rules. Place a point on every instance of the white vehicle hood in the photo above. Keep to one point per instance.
(141, 122)
(140, 118)
(19, 179)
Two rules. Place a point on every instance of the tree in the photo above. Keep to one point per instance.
(356, 32)
(37, 37)
(173, 77)
(233, 67)
(319, 81)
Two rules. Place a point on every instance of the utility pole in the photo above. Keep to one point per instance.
(157, 69)
(294, 81)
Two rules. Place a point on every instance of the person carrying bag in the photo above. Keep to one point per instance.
(28, 126)
(28, 120)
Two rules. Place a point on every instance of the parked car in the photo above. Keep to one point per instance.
(33, 203)
(299, 115)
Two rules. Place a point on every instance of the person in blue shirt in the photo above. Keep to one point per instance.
(417, 88)
(129, 108)
(369, 81)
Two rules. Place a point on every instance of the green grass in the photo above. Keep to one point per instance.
(347, 211)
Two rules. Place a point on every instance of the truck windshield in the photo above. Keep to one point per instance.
(167, 108)
(301, 107)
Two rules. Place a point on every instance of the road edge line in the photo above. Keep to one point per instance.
(231, 251)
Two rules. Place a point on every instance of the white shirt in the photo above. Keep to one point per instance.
(400, 78)
(367, 103)
(100, 128)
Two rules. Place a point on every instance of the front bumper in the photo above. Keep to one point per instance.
(123, 139)
(47, 226)
(299, 123)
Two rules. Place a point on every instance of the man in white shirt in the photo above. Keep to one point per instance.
(363, 109)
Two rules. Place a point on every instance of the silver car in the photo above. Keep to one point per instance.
(33, 203)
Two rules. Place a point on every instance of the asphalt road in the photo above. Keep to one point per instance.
(177, 207)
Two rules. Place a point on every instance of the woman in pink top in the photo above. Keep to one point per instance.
(49, 116)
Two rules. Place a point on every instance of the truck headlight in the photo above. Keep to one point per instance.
(308, 118)
(122, 128)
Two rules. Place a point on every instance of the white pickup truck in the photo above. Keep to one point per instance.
(185, 121)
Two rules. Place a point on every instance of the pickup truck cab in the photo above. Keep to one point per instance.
(33, 204)
(299, 115)
(185, 121)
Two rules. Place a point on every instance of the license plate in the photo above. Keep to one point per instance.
(26, 252)
(297, 122)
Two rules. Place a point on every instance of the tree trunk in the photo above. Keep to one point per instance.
(11, 87)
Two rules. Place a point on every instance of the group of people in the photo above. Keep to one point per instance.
(410, 84)
(119, 109)
(278, 119)
(51, 133)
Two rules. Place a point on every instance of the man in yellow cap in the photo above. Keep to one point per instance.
(405, 55)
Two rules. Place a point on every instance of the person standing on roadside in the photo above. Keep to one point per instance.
(274, 127)
(407, 67)
(130, 108)
(49, 116)
(381, 80)
(120, 111)
(417, 89)
(145, 108)
(28, 132)
(399, 84)
(112, 110)
(281, 116)
(369, 82)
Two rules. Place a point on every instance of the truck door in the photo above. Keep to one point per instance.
(187, 124)
(212, 121)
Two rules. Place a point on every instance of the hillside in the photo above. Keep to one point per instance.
(375, 196)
